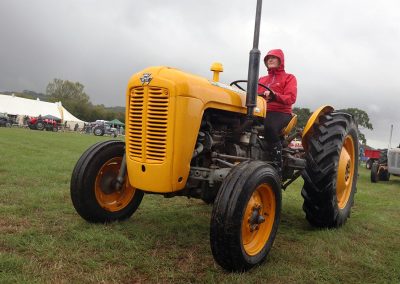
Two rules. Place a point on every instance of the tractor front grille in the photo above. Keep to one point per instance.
(394, 159)
(148, 115)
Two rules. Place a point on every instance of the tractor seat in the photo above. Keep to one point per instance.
(292, 123)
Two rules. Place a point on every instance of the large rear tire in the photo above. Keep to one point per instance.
(369, 163)
(330, 176)
(98, 131)
(246, 216)
(93, 191)
(40, 125)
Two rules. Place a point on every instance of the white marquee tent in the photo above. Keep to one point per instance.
(20, 106)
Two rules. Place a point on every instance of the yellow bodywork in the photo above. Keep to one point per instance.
(164, 111)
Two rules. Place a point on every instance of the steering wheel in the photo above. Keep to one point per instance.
(236, 84)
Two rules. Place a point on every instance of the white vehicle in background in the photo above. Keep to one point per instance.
(394, 161)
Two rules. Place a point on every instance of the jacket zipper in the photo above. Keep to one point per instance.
(273, 80)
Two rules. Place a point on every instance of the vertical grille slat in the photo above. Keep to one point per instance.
(148, 114)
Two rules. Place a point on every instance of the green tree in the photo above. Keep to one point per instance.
(72, 96)
(362, 119)
(303, 114)
(76, 101)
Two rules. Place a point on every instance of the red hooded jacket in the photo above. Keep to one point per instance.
(284, 85)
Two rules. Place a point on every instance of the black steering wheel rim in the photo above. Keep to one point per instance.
(236, 84)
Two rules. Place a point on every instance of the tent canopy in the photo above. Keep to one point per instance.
(21, 106)
(116, 122)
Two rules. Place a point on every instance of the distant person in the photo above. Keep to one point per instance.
(362, 153)
(88, 128)
(279, 106)
(76, 127)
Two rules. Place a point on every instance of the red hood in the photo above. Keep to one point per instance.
(278, 53)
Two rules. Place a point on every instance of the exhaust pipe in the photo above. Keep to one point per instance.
(254, 66)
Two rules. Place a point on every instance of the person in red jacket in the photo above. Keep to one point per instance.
(279, 106)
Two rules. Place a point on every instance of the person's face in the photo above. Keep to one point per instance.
(273, 62)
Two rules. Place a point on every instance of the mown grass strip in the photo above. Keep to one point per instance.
(43, 239)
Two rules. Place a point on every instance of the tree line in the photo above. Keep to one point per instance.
(75, 100)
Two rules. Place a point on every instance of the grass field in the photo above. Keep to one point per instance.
(43, 239)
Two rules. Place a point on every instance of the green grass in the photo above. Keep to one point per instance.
(43, 239)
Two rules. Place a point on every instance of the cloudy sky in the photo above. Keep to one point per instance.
(343, 53)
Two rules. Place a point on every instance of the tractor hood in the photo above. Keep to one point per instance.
(164, 110)
(212, 94)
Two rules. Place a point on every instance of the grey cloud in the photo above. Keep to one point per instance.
(344, 53)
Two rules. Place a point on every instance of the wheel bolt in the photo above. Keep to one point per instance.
(260, 219)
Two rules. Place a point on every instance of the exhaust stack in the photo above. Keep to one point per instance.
(254, 66)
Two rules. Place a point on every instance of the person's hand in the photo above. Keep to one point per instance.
(267, 95)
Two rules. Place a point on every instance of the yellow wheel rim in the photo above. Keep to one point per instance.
(344, 182)
(107, 196)
(258, 219)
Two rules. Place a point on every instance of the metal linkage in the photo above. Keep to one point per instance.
(122, 172)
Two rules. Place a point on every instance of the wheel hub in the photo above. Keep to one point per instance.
(256, 218)
(108, 195)
(347, 173)
(107, 183)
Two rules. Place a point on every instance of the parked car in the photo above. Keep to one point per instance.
(5, 120)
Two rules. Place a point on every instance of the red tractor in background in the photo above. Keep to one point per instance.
(42, 123)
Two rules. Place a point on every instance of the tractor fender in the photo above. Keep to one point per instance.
(314, 118)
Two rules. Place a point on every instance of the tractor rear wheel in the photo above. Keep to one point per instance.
(40, 125)
(245, 216)
(98, 131)
(93, 191)
(374, 173)
(330, 176)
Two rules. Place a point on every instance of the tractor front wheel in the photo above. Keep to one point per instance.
(245, 216)
(384, 174)
(94, 193)
(330, 176)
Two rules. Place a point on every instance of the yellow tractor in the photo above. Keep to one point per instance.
(190, 136)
